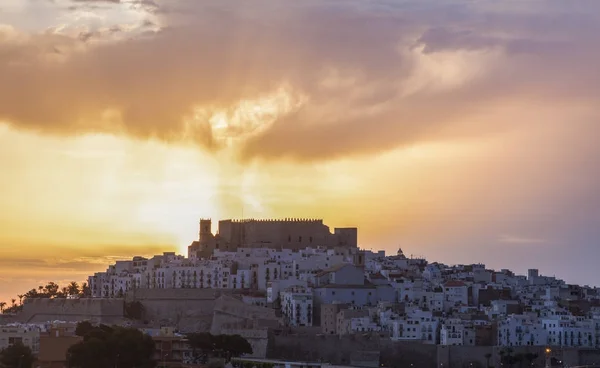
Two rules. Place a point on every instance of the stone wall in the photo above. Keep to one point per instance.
(107, 311)
(589, 357)
(338, 351)
(189, 310)
(258, 339)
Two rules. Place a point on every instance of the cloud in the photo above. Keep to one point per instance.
(517, 240)
(365, 78)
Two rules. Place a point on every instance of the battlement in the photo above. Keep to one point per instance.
(288, 233)
(284, 220)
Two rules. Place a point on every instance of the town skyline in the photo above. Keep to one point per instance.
(461, 132)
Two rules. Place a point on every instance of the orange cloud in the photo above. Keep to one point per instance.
(370, 80)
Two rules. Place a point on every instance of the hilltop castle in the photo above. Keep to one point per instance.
(278, 234)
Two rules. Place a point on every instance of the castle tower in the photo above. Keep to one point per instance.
(205, 230)
(358, 259)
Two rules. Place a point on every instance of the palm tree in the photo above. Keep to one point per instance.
(31, 294)
(73, 288)
(51, 289)
(2, 305)
(487, 356)
(85, 290)
(13, 301)
(21, 298)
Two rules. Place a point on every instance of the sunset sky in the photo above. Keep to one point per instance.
(462, 131)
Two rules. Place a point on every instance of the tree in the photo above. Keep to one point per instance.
(20, 296)
(487, 356)
(83, 328)
(63, 293)
(73, 288)
(105, 346)
(218, 346)
(531, 357)
(85, 290)
(519, 359)
(51, 289)
(16, 356)
(135, 310)
(2, 305)
(32, 294)
(235, 346)
(13, 302)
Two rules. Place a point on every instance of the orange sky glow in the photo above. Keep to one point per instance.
(462, 133)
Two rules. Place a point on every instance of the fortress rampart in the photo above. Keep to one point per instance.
(72, 310)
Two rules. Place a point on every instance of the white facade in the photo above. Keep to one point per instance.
(571, 331)
(27, 335)
(363, 324)
(452, 332)
(521, 330)
(415, 326)
(354, 295)
(297, 305)
(456, 293)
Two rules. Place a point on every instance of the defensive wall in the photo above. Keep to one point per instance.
(107, 311)
(258, 339)
(233, 317)
(190, 310)
(338, 351)
(287, 234)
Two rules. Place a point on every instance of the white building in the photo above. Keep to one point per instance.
(417, 325)
(456, 293)
(297, 305)
(571, 331)
(452, 332)
(521, 330)
(24, 334)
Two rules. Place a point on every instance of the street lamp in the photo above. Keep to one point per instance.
(548, 360)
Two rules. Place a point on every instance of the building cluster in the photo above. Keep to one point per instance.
(50, 342)
(313, 277)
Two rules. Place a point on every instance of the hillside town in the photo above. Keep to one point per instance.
(262, 278)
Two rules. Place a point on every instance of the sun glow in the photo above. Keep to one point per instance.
(249, 117)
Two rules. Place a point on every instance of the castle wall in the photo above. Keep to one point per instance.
(190, 310)
(288, 234)
(337, 350)
(72, 310)
(258, 339)
(199, 310)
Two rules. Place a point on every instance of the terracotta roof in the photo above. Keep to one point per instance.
(454, 283)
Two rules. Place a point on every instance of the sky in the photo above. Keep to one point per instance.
(461, 131)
